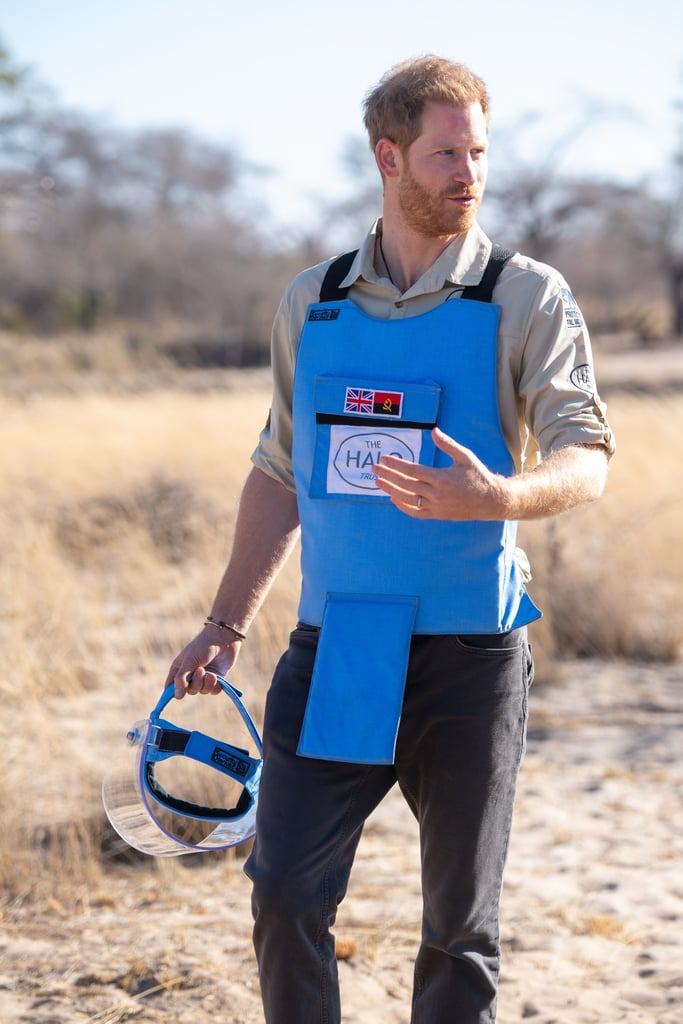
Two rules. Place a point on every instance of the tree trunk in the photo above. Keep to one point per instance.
(676, 279)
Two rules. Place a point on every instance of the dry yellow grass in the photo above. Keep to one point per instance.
(609, 576)
(115, 516)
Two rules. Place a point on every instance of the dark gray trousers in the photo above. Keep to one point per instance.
(460, 744)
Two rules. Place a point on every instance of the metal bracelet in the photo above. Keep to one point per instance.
(219, 624)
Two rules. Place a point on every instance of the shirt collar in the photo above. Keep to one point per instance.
(462, 263)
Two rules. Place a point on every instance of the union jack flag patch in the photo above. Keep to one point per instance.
(373, 403)
(359, 400)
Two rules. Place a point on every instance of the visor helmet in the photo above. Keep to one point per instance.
(156, 822)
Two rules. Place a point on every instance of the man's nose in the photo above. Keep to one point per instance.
(466, 171)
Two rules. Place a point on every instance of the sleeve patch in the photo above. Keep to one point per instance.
(572, 313)
(582, 377)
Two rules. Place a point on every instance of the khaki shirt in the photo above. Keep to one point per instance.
(546, 389)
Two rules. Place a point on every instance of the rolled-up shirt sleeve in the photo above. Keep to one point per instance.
(551, 367)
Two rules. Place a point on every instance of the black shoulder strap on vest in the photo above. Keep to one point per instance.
(330, 290)
(336, 272)
(483, 292)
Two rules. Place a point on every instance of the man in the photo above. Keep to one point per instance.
(413, 422)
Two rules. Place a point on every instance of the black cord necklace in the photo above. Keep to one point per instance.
(384, 261)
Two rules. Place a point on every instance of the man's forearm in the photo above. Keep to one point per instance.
(567, 478)
(266, 530)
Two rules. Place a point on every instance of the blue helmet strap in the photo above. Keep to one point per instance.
(166, 740)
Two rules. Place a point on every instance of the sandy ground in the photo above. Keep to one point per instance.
(592, 910)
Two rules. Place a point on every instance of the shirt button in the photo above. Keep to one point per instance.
(400, 304)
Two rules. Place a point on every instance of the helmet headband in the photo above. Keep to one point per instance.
(135, 801)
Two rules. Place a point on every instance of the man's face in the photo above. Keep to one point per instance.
(444, 171)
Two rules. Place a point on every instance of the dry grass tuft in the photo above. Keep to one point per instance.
(603, 926)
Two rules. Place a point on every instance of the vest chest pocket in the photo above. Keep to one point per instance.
(359, 420)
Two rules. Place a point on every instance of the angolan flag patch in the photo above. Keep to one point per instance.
(373, 403)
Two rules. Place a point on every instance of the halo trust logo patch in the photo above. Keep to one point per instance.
(582, 377)
(353, 455)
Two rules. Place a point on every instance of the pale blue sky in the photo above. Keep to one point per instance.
(283, 81)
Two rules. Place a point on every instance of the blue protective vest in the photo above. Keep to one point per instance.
(373, 576)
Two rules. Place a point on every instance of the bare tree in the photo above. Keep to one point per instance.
(656, 226)
(180, 172)
(668, 227)
(99, 224)
(536, 199)
(662, 231)
(343, 223)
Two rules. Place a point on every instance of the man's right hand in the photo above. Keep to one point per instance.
(194, 670)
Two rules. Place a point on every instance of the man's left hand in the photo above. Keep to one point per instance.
(464, 490)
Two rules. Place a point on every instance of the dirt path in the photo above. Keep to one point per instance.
(592, 913)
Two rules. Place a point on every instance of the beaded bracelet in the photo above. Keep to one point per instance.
(219, 624)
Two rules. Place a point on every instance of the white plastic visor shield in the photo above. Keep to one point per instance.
(145, 815)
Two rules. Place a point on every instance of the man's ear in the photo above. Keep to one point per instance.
(388, 157)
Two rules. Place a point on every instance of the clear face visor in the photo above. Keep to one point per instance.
(173, 790)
